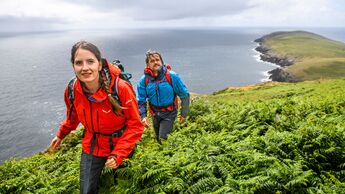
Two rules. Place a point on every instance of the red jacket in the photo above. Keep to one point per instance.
(98, 117)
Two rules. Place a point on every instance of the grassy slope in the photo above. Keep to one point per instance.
(267, 138)
(317, 57)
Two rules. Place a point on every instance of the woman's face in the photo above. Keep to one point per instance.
(155, 63)
(86, 66)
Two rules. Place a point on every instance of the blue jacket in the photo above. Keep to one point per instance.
(159, 92)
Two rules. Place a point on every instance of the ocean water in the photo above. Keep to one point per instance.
(35, 69)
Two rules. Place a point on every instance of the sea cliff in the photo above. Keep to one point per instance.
(302, 56)
(269, 55)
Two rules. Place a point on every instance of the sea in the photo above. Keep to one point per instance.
(35, 68)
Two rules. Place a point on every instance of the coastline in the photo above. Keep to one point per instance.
(258, 59)
(267, 55)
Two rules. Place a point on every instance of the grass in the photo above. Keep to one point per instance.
(274, 90)
(266, 138)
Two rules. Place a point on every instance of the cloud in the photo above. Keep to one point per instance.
(288, 13)
(46, 14)
(167, 10)
(182, 9)
(96, 14)
(59, 9)
(18, 24)
(105, 14)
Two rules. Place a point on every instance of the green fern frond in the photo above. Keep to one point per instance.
(205, 185)
(155, 175)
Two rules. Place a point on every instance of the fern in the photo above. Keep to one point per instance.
(205, 184)
(155, 176)
(286, 139)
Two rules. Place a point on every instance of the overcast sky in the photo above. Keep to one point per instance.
(42, 15)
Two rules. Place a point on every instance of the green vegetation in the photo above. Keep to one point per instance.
(315, 56)
(268, 138)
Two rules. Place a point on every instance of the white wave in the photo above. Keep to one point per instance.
(267, 76)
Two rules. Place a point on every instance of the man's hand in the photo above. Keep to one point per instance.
(146, 122)
(182, 119)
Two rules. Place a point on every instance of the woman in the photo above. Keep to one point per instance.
(112, 126)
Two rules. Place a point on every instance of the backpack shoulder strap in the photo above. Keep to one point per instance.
(168, 78)
(168, 66)
(167, 74)
(147, 80)
(115, 90)
(70, 93)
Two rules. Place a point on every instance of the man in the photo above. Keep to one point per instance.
(160, 87)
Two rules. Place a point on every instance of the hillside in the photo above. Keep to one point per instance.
(268, 138)
(303, 56)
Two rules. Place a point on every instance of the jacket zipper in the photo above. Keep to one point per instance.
(157, 93)
(93, 129)
(97, 118)
(85, 127)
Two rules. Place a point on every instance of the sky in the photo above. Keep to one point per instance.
(51, 15)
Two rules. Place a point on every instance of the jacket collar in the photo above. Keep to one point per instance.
(99, 96)
(149, 72)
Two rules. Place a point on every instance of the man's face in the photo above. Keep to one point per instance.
(155, 63)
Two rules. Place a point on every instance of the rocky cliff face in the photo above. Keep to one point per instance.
(269, 56)
(278, 74)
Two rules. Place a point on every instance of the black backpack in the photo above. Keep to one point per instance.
(105, 69)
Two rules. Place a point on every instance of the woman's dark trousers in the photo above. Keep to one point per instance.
(90, 172)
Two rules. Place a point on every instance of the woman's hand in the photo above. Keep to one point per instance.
(55, 143)
(111, 163)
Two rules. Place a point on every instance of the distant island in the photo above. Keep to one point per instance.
(302, 56)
